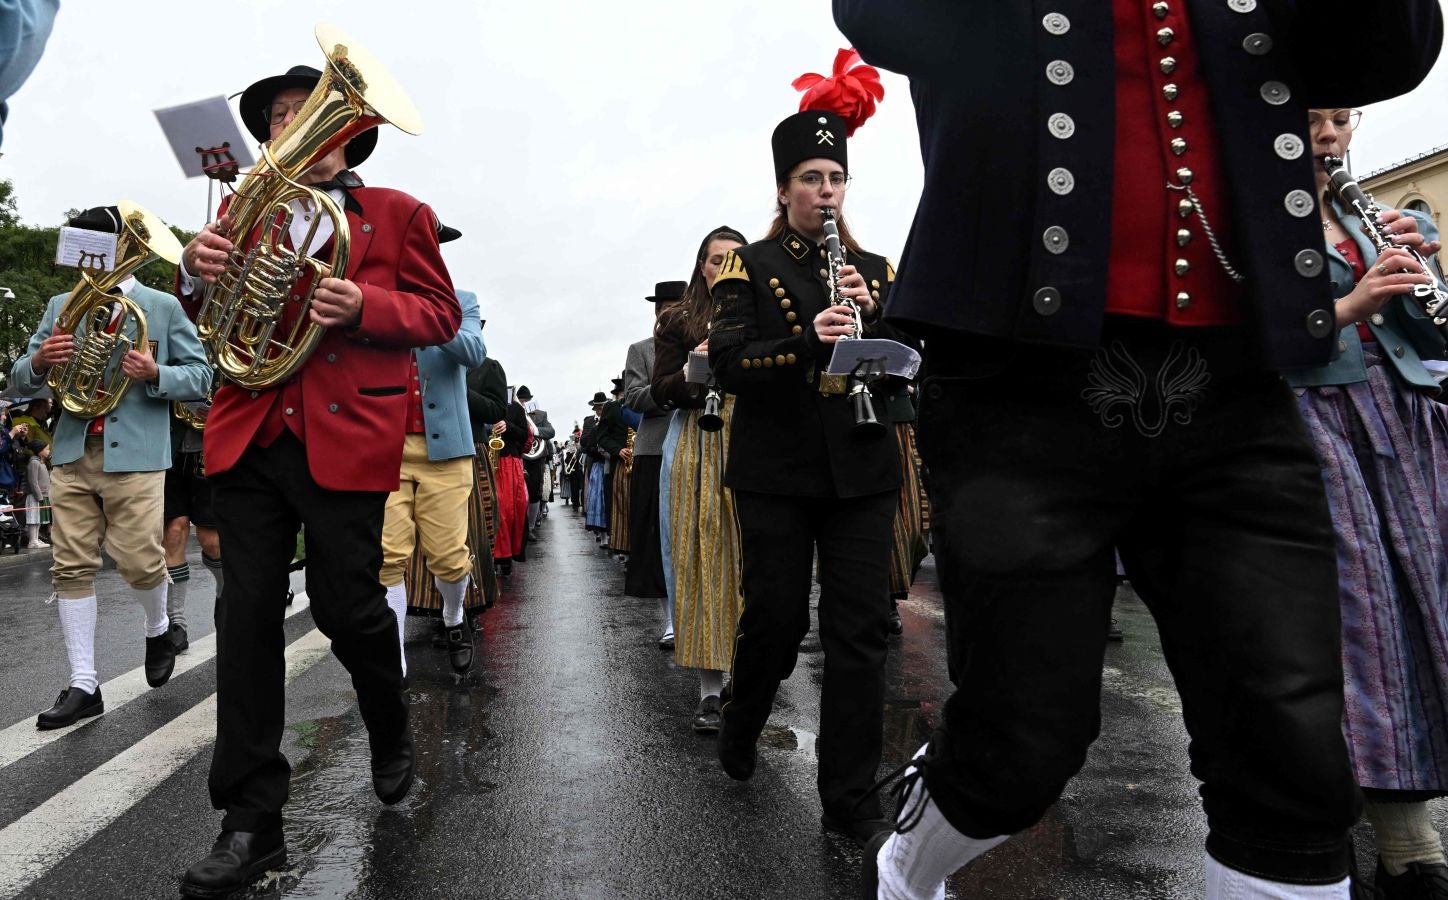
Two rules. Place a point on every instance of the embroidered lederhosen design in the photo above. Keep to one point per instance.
(1120, 388)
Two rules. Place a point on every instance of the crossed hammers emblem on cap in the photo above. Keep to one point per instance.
(826, 137)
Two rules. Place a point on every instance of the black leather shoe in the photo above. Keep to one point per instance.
(392, 772)
(1113, 632)
(861, 831)
(706, 717)
(179, 641)
(870, 866)
(236, 858)
(71, 706)
(1422, 881)
(735, 755)
(160, 659)
(896, 626)
(505, 567)
(460, 647)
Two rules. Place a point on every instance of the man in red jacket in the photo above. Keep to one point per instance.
(321, 449)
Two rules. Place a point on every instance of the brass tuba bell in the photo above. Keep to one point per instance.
(91, 383)
(243, 315)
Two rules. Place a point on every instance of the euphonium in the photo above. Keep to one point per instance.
(91, 383)
(867, 426)
(265, 284)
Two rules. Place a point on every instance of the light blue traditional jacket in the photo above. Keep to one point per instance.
(443, 371)
(1402, 329)
(138, 430)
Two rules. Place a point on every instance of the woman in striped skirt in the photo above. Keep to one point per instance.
(911, 544)
(699, 534)
(1382, 437)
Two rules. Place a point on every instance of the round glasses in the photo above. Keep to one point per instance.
(838, 180)
(1341, 119)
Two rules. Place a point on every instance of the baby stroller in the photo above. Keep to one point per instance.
(11, 532)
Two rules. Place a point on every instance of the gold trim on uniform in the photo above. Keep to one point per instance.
(732, 268)
(889, 271)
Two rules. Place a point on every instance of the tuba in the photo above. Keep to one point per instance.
(91, 383)
(265, 285)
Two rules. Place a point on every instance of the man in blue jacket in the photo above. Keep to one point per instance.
(1116, 253)
(437, 480)
(109, 480)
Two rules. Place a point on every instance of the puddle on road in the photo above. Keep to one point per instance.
(777, 737)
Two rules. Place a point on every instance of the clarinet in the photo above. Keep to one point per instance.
(1432, 297)
(866, 425)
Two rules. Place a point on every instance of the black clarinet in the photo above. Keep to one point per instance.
(1432, 297)
(866, 425)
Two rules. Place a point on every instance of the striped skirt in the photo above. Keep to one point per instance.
(1383, 449)
(700, 542)
(593, 497)
(911, 545)
(618, 514)
(482, 531)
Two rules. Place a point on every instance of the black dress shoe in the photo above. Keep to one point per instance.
(896, 626)
(71, 706)
(392, 772)
(861, 831)
(460, 647)
(505, 567)
(706, 717)
(1113, 632)
(737, 756)
(870, 866)
(1422, 881)
(160, 659)
(179, 641)
(235, 859)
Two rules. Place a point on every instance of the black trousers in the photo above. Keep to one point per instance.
(260, 504)
(778, 539)
(1197, 466)
(644, 576)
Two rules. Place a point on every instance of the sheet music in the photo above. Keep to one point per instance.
(86, 249)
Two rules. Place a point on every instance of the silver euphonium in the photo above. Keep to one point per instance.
(866, 425)
(1432, 297)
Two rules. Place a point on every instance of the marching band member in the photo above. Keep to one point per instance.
(1382, 437)
(517, 433)
(487, 405)
(596, 462)
(188, 503)
(644, 576)
(534, 466)
(701, 538)
(610, 436)
(429, 510)
(1103, 362)
(323, 450)
(109, 480)
(912, 526)
(622, 489)
(802, 482)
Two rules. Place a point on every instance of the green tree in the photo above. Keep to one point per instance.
(28, 269)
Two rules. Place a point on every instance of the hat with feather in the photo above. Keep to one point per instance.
(832, 108)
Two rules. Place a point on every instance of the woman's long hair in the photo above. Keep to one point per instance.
(781, 224)
(693, 309)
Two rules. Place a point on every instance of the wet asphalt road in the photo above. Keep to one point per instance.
(562, 767)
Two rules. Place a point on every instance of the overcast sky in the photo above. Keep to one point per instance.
(582, 148)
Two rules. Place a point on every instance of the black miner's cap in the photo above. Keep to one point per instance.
(812, 134)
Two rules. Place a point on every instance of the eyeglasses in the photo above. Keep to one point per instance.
(277, 114)
(838, 180)
(1342, 119)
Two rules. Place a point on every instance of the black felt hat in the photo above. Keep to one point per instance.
(598, 399)
(617, 385)
(524, 393)
(256, 99)
(447, 233)
(99, 218)
(812, 134)
(668, 290)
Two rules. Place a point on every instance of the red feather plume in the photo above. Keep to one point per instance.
(851, 91)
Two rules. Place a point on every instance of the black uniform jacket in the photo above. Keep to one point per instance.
(1015, 144)
(515, 439)
(487, 398)
(612, 432)
(786, 437)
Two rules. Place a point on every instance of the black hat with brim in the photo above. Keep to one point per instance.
(98, 218)
(812, 134)
(524, 393)
(617, 385)
(256, 99)
(665, 291)
(598, 399)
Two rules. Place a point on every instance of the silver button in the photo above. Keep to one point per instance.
(1376, 318)
(1183, 237)
(1178, 146)
(1258, 44)
(1242, 6)
(1183, 300)
(331, 357)
(367, 229)
(1175, 119)
(1056, 239)
(331, 407)
(1398, 352)
(289, 410)
(1061, 181)
(1182, 267)
(1168, 65)
(1165, 36)
(1319, 323)
(1275, 93)
(1060, 72)
(255, 394)
(1300, 204)
(1056, 23)
(1288, 146)
(1342, 345)
(1061, 125)
(1170, 92)
(1308, 263)
(1184, 175)
(1160, 10)
(1047, 301)
(1185, 208)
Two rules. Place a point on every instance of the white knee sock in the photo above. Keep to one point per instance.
(1405, 835)
(397, 602)
(176, 597)
(914, 865)
(214, 567)
(153, 601)
(668, 609)
(78, 624)
(1229, 884)
(452, 593)
(711, 683)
